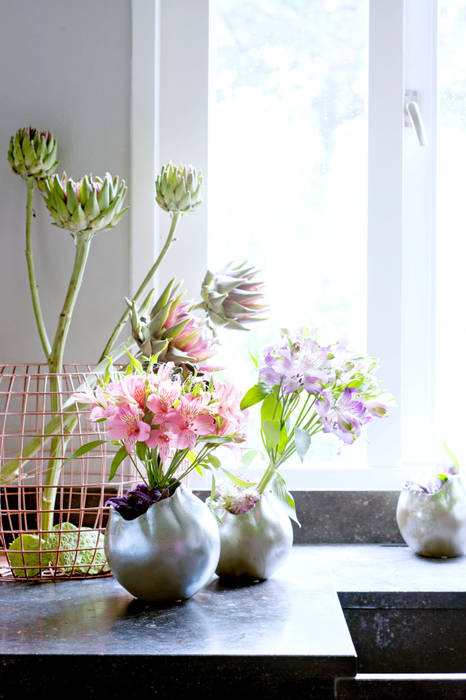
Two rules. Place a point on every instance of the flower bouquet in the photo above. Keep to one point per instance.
(168, 326)
(304, 388)
(162, 542)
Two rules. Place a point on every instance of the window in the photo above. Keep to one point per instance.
(245, 68)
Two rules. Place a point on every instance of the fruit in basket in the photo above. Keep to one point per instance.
(24, 556)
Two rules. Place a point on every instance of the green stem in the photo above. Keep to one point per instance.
(34, 287)
(118, 328)
(9, 470)
(83, 244)
(136, 467)
(266, 478)
(58, 446)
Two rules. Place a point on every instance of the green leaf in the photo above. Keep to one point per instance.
(254, 395)
(271, 408)
(302, 441)
(134, 363)
(283, 495)
(116, 461)
(141, 451)
(283, 442)
(254, 359)
(213, 461)
(271, 430)
(215, 439)
(198, 468)
(236, 480)
(452, 456)
(212, 490)
(83, 450)
(249, 456)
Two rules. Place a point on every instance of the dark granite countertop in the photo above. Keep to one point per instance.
(290, 629)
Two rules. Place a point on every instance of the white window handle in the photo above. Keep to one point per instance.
(415, 119)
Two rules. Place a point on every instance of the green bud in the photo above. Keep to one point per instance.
(90, 204)
(33, 153)
(178, 188)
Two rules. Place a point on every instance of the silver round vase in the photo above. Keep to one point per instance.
(169, 553)
(434, 524)
(256, 543)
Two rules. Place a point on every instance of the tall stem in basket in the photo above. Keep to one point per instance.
(58, 445)
(32, 273)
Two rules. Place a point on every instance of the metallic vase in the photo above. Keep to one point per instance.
(434, 524)
(255, 544)
(166, 554)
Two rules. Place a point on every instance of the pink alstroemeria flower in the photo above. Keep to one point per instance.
(168, 393)
(227, 406)
(130, 389)
(164, 440)
(187, 423)
(127, 425)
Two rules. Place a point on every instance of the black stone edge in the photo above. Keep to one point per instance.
(344, 517)
(398, 600)
(289, 667)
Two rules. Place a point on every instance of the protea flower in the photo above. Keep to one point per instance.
(178, 188)
(33, 153)
(232, 296)
(170, 329)
(90, 204)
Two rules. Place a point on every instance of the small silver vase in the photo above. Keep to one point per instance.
(256, 543)
(434, 524)
(169, 553)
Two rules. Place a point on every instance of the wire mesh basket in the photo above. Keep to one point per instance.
(52, 529)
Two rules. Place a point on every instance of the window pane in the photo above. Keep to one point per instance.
(288, 167)
(451, 226)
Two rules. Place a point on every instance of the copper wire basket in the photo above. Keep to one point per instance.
(73, 546)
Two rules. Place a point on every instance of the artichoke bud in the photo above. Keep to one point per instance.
(169, 329)
(90, 204)
(178, 188)
(232, 296)
(33, 153)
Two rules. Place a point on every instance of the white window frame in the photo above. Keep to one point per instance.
(169, 121)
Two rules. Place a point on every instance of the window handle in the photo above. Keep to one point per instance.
(415, 120)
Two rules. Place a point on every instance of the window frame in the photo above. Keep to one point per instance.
(171, 122)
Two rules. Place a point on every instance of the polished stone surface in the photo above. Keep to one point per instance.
(295, 616)
(285, 637)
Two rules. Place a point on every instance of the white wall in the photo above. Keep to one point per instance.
(64, 66)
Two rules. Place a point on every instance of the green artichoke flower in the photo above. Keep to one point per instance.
(90, 204)
(33, 153)
(178, 188)
(232, 296)
(169, 329)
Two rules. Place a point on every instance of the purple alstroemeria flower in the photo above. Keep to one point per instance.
(136, 502)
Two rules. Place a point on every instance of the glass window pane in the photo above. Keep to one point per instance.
(288, 167)
(451, 227)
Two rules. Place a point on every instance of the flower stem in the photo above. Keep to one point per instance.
(58, 446)
(31, 271)
(266, 478)
(118, 328)
(83, 244)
